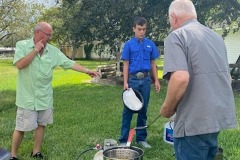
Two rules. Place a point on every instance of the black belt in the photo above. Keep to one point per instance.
(139, 75)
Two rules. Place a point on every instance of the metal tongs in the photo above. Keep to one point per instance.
(143, 127)
(132, 131)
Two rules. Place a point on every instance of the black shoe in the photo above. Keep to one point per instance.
(14, 158)
(38, 155)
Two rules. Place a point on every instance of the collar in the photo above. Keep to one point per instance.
(31, 43)
(189, 21)
(136, 39)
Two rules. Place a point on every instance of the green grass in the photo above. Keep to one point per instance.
(85, 114)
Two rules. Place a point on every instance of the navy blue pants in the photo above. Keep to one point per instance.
(143, 86)
(199, 147)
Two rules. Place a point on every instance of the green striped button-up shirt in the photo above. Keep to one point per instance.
(34, 85)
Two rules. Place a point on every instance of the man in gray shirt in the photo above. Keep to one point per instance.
(199, 87)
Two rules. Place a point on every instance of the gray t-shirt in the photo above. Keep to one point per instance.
(207, 106)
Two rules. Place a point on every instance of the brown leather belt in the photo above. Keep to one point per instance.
(139, 75)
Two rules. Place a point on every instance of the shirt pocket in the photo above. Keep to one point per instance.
(134, 52)
(46, 67)
(147, 52)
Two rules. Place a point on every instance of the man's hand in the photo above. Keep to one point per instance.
(157, 86)
(94, 73)
(39, 45)
(167, 111)
(125, 86)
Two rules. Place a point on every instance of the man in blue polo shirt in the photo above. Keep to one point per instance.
(139, 54)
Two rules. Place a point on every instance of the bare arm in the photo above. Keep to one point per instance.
(79, 68)
(176, 88)
(25, 61)
(155, 75)
(125, 74)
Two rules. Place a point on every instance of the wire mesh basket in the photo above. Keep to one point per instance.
(123, 153)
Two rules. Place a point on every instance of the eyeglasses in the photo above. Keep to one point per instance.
(47, 34)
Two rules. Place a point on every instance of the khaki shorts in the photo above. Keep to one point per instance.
(28, 120)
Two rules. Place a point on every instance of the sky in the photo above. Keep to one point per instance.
(47, 3)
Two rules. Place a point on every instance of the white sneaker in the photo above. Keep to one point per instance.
(144, 144)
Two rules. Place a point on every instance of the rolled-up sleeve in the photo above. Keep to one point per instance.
(64, 61)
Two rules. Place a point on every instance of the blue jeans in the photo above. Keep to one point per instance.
(199, 147)
(144, 87)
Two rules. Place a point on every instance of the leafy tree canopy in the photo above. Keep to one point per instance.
(106, 21)
(110, 21)
(17, 19)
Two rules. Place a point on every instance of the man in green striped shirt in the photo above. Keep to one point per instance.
(35, 60)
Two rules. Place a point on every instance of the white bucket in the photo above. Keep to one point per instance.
(98, 155)
(168, 132)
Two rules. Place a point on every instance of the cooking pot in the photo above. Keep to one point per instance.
(123, 153)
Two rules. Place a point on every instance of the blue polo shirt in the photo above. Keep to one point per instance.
(139, 54)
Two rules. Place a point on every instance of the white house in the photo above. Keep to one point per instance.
(232, 41)
(4, 50)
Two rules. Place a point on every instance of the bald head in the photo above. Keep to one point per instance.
(42, 26)
(183, 8)
(181, 11)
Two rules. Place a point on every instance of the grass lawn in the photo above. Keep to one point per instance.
(85, 114)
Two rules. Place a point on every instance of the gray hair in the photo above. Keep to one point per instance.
(41, 26)
(182, 8)
(38, 27)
